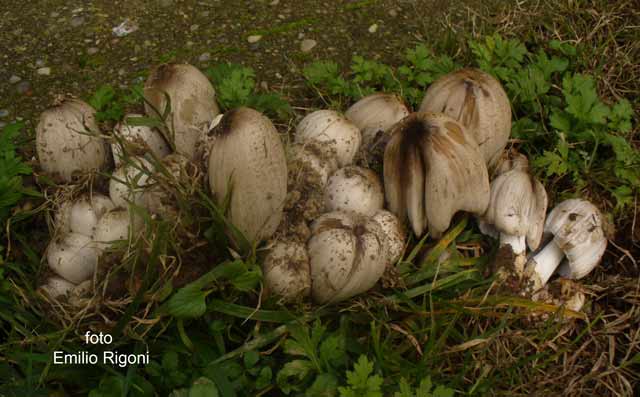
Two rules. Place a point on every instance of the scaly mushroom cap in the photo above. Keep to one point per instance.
(432, 169)
(68, 140)
(347, 256)
(286, 270)
(577, 229)
(517, 206)
(332, 128)
(192, 100)
(478, 101)
(137, 140)
(247, 159)
(354, 189)
(375, 114)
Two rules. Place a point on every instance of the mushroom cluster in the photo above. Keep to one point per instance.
(333, 221)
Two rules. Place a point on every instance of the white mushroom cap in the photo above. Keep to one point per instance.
(128, 182)
(83, 213)
(73, 256)
(576, 227)
(394, 235)
(346, 255)
(286, 270)
(315, 157)
(478, 101)
(138, 139)
(331, 128)
(57, 286)
(375, 114)
(517, 209)
(114, 226)
(192, 101)
(354, 189)
(432, 169)
(68, 140)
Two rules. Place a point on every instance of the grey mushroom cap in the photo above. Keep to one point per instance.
(247, 161)
(517, 206)
(433, 169)
(478, 101)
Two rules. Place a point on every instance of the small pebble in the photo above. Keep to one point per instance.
(278, 75)
(300, 36)
(23, 87)
(274, 3)
(194, 27)
(14, 79)
(92, 50)
(44, 71)
(307, 45)
(205, 57)
(54, 14)
(254, 38)
(3, 113)
(373, 28)
(77, 21)
(393, 12)
(2, 124)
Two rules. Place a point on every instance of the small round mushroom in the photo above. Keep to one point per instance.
(394, 235)
(286, 270)
(576, 227)
(331, 128)
(114, 226)
(354, 189)
(57, 286)
(72, 256)
(433, 170)
(375, 114)
(517, 209)
(137, 139)
(478, 101)
(347, 256)
(128, 182)
(314, 157)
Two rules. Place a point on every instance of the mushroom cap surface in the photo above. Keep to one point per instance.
(433, 169)
(354, 189)
(478, 101)
(576, 226)
(332, 128)
(375, 114)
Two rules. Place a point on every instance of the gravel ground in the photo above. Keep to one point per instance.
(49, 47)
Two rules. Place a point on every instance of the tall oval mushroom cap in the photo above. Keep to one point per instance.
(332, 128)
(517, 209)
(247, 159)
(192, 101)
(432, 170)
(376, 114)
(68, 140)
(576, 226)
(347, 256)
(478, 101)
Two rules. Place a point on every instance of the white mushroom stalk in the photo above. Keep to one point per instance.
(137, 140)
(192, 103)
(354, 189)
(433, 169)
(517, 209)
(578, 237)
(330, 127)
(478, 101)
(68, 140)
(247, 161)
(375, 114)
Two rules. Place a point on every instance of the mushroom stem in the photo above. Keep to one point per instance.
(518, 243)
(546, 261)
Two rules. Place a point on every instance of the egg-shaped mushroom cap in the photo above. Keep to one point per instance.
(576, 226)
(375, 114)
(286, 270)
(478, 101)
(346, 254)
(518, 205)
(433, 169)
(354, 189)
